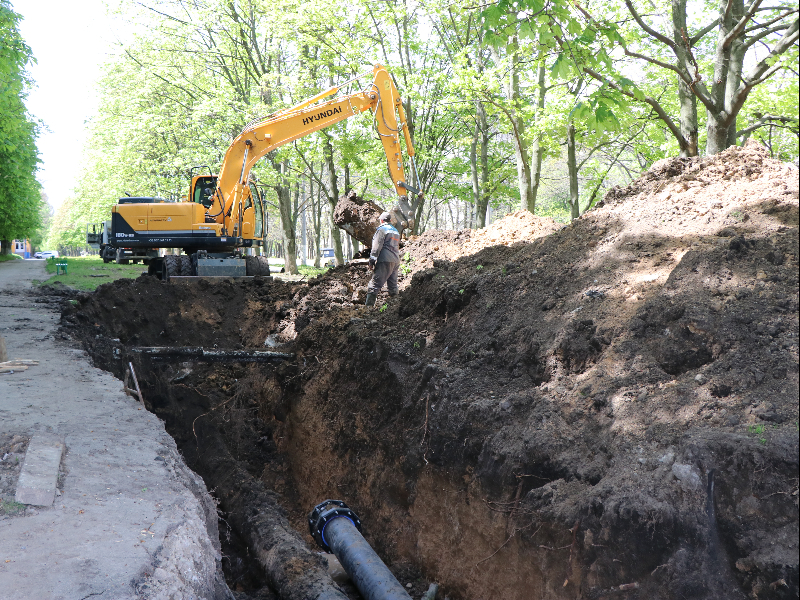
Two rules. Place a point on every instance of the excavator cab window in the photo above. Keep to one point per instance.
(257, 201)
(204, 190)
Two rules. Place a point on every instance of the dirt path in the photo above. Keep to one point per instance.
(130, 519)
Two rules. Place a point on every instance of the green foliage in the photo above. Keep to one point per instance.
(8, 257)
(618, 54)
(11, 507)
(405, 264)
(20, 199)
(46, 216)
(758, 431)
(176, 94)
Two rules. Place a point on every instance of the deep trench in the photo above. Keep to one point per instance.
(489, 446)
(220, 434)
(224, 438)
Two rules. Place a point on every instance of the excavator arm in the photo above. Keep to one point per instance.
(262, 136)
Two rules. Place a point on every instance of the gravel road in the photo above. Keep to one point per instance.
(130, 520)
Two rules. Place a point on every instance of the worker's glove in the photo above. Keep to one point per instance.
(371, 263)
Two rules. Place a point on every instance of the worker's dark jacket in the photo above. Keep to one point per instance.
(386, 244)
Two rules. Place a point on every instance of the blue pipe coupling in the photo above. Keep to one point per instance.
(337, 530)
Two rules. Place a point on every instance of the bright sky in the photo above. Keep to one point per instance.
(70, 40)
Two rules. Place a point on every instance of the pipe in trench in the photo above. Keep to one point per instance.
(336, 529)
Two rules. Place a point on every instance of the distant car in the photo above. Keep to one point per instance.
(47, 254)
(37, 255)
(328, 257)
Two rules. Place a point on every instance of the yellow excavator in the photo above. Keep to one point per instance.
(224, 214)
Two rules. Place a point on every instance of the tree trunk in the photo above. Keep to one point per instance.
(537, 152)
(688, 120)
(5, 248)
(287, 222)
(735, 66)
(717, 120)
(572, 166)
(303, 234)
(473, 164)
(483, 197)
(527, 200)
(686, 98)
(333, 196)
(316, 219)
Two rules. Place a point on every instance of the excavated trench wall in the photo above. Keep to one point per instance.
(514, 494)
(271, 426)
(606, 411)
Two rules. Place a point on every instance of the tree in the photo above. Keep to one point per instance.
(20, 195)
(46, 215)
(694, 60)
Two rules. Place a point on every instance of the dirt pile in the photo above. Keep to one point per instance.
(518, 227)
(607, 410)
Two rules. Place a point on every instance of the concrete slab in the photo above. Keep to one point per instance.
(37, 480)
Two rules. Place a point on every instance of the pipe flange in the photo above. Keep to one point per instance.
(324, 513)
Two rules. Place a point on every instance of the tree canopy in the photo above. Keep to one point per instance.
(532, 104)
(20, 194)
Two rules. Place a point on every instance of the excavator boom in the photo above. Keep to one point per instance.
(222, 213)
(261, 137)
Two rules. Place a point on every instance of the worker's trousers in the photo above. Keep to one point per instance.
(385, 272)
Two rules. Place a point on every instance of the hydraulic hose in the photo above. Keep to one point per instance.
(336, 529)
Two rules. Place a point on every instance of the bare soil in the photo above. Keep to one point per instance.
(605, 409)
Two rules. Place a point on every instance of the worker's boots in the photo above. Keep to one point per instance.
(370, 299)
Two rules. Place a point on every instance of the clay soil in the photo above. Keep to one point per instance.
(604, 409)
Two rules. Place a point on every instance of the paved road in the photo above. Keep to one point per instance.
(131, 521)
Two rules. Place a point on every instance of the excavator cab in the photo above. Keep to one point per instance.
(203, 187)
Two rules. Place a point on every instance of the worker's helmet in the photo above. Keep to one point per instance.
(386, 217)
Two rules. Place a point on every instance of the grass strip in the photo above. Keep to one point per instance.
(87, 272)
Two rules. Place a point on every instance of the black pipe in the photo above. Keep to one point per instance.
(337, 530)
(209, 355)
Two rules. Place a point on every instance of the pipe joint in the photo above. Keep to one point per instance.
(324, 513)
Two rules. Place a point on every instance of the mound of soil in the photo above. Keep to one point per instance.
(518, 227)
(603, 409)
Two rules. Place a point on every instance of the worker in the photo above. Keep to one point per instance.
(384, 259)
